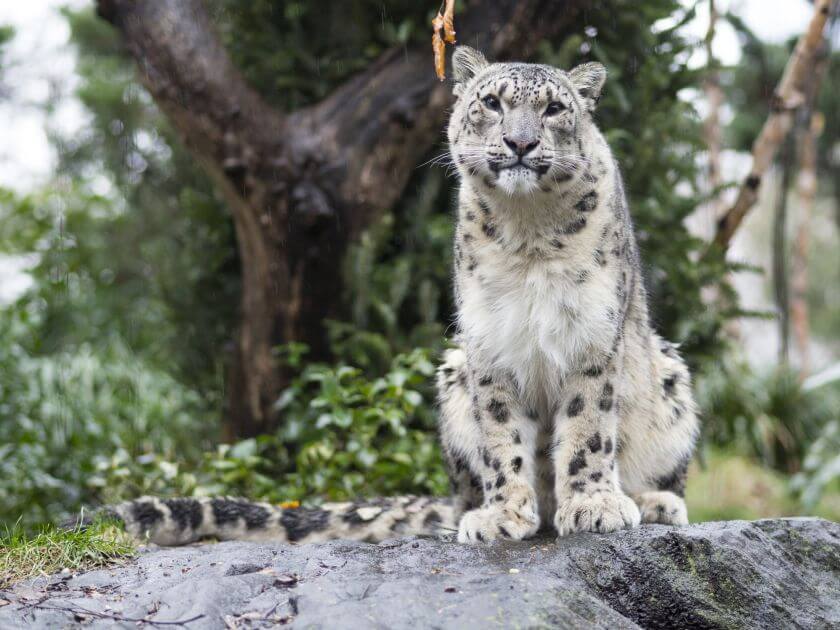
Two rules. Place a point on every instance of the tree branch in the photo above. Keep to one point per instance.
(191, 77)
(375, 126)
(787, 97)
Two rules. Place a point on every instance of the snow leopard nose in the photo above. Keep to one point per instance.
(521, 145)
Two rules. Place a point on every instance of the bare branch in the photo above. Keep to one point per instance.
(787, 97)
(186, 68)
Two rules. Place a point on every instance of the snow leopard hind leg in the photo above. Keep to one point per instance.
(657, 434)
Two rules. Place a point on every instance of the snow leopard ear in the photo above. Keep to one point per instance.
(589, 78)
(466, 63)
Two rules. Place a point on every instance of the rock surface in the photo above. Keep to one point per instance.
(781, 573)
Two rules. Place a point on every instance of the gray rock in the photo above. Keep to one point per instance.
(782, 573)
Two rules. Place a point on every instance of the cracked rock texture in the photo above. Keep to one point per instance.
(781, 573)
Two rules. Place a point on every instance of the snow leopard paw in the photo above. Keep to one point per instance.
(662, 507)
(498, 521)
(601, 512)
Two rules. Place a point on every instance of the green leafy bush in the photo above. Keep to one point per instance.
(344, 436)
(86, 430)
(767, 416)
(357, 436)
(60, 414)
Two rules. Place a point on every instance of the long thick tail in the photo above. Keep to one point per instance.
(182, 521)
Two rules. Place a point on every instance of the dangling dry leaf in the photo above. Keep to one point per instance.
(440, 55)
(449, 22)
(443, 32)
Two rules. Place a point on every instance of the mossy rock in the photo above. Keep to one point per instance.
(781, 573)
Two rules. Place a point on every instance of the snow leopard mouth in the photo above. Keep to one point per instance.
(520, 166)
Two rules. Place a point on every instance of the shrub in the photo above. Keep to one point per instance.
(356, 436)
(768, 416)
(345, 436)
(59, 415)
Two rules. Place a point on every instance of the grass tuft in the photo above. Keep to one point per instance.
(23, 556)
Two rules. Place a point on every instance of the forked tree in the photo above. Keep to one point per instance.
(302, 185)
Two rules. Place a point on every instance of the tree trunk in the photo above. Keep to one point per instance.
(809, 125)
(807, 189)
(711, 126)
(780, 276)
(302, 186)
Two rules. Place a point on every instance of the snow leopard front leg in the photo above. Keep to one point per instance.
(506, 436)
(587, 485)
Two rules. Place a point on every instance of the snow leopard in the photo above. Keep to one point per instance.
(560, 406)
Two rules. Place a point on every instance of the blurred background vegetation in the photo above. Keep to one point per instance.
(112, 361)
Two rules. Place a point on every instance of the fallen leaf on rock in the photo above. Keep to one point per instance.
(286, 581)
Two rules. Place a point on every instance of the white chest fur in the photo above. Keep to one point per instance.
(535, 318)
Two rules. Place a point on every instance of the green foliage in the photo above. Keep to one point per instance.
(769, 417)
(296, 52)
(345, 436)
(360, 436)
(772, 420)
(60, 414)
(84, 429)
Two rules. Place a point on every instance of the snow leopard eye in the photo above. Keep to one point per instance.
(554, 108)
(491, 102)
